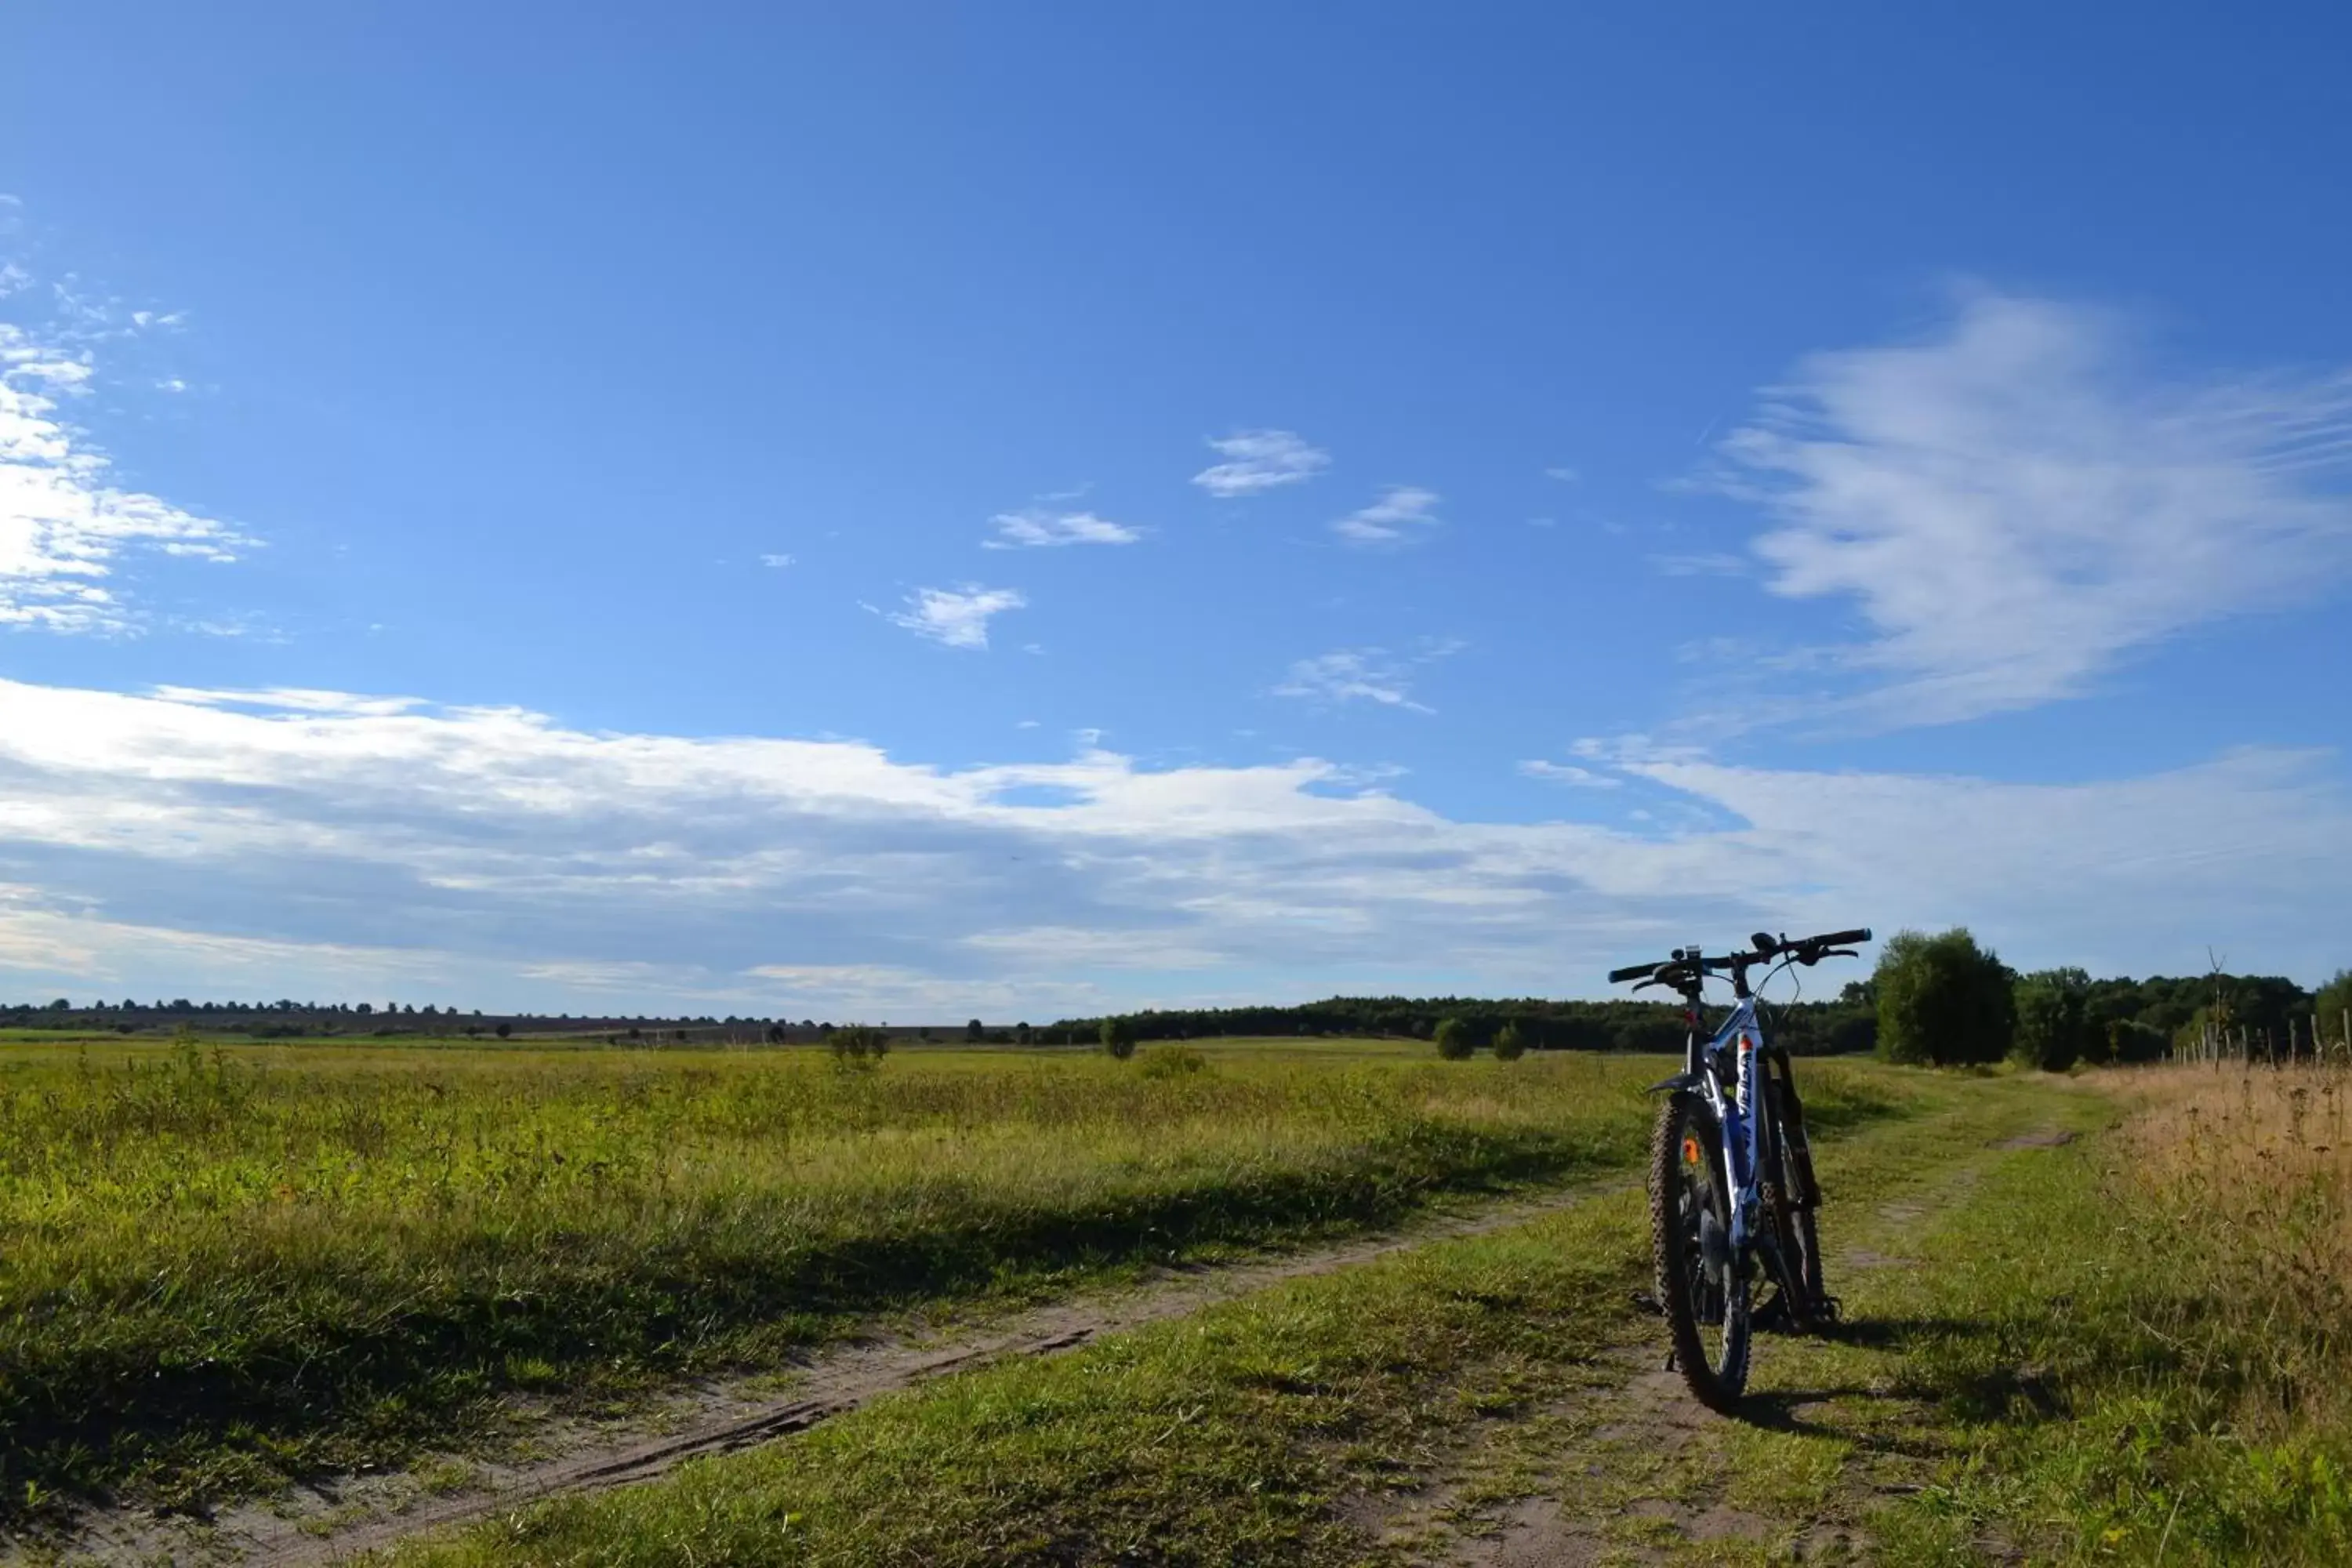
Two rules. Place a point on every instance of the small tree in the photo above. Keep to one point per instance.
(858, 1046)
(975, 1032)
(2328, 1008)
(1021, 1033)
(2050, 1027)
(1510, 1043)
(505, 1029)
(1454, 1041)
(1118, 1038)
(1943, 1001)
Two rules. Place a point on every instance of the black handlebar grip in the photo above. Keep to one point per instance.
(1617, 976)
(1840, 938)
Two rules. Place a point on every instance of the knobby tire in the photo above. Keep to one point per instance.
(1690, 1293)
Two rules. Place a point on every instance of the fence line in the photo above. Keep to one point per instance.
(2219, 1043)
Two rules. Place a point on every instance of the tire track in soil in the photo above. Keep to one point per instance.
(335, 1519)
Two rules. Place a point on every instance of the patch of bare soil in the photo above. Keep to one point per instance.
(1651, 1413)
(339, 1516)
(1536, 1534)
(2046, 1138)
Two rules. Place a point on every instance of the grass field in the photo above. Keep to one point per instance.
(226, 1266)
(2096, 1319)
(1278, 1429)
(2147, 1345)
(2090, 1323)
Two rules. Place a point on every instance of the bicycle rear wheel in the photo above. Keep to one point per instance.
(1792, 1196)
(1702, 1288)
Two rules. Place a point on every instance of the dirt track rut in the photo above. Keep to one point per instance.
(338, 1518)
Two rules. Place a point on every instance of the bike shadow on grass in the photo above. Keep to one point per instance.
(1986, 1392)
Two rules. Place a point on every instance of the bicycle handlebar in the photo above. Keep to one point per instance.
(1691, 966)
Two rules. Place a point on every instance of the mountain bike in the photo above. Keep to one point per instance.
(1731, 1176)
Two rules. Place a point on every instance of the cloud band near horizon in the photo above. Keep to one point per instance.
(213, 843)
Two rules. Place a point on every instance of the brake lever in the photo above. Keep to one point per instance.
(1645, 984)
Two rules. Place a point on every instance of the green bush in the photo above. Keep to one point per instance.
(1173, 1061)
(1118, 1038)
(1454, 1041)
(1510, 1045)
(1943, 1001)
(2050, 1020)
(859, 1045)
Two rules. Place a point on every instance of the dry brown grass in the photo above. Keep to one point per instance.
(2250, 1173)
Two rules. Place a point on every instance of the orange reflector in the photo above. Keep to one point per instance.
(1690, 1150)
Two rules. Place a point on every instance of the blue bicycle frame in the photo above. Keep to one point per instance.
(1741, 1035)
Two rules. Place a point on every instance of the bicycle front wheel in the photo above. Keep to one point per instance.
(1702, 1288)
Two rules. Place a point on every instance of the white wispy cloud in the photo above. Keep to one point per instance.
(957, 617)
(1371, 675)
(64, 526)
(284, 700)
(1402, 511)
(1569, 773)
(1038, 529)
(2017, 502)
(1259, 460)
(1563, 473)
(778, 560)
(226, 844)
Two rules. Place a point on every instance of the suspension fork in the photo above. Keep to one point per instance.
(1736, 1115)
(1742, 1128)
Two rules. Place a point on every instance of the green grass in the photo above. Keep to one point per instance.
(2132, 1370)
(1252, 1432)
(2130, 1349)
(220, 1269)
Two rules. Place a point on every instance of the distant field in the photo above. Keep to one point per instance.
(224, 1266)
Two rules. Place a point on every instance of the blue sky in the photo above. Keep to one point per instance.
(1025, 509)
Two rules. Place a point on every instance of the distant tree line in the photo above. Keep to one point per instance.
(1944, 999)
(1528, 1024)
(1948, 1000)
(1941, 1000)
(288, 1019)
